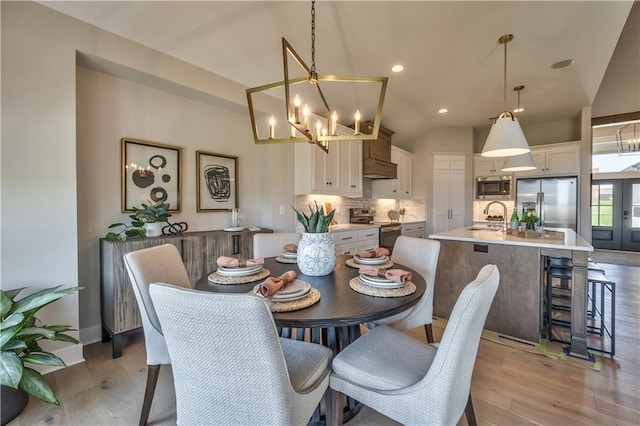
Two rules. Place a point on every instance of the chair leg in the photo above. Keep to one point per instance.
(334, 408)
(471, 415)
(152, 379)
(429, 330)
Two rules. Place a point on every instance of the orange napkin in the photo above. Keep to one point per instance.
(399, 276)
(291, 248)
(376, 252)
(232, 262)
(272, 285)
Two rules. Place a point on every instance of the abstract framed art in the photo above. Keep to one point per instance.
(150, 172)
(216, 182)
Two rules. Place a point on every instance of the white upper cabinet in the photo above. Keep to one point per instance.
(350, 168)
(554, 160)
(487, 166)
(402, 186)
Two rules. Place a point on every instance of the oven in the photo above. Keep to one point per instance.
(389, 231)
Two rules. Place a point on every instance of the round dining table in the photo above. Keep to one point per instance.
(334, 321)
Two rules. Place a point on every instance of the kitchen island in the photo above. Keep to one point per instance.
(517, 309)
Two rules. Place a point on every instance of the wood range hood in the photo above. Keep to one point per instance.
(376, 155)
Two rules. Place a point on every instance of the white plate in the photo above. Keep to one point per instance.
(238, 272)
(293, 291)
(371, 260)
(234, 229)
(289, 255)
(244, 268)
(390, 285)
(377, 280)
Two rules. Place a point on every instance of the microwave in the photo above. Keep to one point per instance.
(494, 188)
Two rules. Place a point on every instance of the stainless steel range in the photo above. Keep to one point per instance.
(389, 231)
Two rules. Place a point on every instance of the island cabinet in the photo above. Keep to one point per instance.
(199, 251)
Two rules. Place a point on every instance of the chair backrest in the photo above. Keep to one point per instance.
(449, 377)
(155, 264)
(227, 362)
(421, 255)
(270, 245)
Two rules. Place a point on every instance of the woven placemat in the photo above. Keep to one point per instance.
(354, 264)
(356, 285)
(283, 259)
(215, 278)
(311, 298)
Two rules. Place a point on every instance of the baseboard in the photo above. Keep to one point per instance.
(91, 335)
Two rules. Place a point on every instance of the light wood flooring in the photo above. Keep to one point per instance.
(511, 385)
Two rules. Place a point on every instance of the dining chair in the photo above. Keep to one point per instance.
(413, 382)
(271, 244)
(155, 264)
(230, 367)
(420, 255)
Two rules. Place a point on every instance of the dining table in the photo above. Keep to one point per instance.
(334, 321)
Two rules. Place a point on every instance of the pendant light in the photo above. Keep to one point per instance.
(522, 162)
(505, 137)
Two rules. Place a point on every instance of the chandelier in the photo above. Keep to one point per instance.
(505, 137)
(628, 139)
(308, 117)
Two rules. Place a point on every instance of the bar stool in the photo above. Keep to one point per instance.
(597, 278)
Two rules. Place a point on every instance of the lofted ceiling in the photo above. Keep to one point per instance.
(449, 49)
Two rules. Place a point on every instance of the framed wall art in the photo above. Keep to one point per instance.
(217, 182)
(150, 172)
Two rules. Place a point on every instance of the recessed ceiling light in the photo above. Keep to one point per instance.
(562, 64)
(518, 110)
(397, 68)
(443, 111)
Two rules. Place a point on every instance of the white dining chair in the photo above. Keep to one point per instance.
(412, 382)
(420, 255)
(155, 264)
(230, 367)
(271, 244)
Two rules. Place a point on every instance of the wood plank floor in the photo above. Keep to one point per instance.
(511, 385)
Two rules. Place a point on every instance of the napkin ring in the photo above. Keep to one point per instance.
(242, 263)
(382, 273)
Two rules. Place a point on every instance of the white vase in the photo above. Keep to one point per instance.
(316, 254)
(153, 229)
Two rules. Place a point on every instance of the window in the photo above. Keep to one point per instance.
(602, 205)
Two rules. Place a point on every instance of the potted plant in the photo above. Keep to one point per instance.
(316, 255)
(402, 212)
(147, 220)
(20, 333)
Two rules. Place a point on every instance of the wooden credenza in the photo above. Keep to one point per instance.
(199, 251)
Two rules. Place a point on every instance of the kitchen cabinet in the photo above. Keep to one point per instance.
(488, 166)
(355, 241)
(415, 230)
(402, 186)
(376, 154)
(448, 192)
(561, 159)
(199, 251)
(351, 168)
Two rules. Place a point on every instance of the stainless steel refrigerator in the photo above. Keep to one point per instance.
(556, 200)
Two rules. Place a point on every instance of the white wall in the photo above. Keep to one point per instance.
(50, 228)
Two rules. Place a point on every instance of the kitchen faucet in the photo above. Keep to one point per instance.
(504, 215)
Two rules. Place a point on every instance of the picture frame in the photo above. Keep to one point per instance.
(216, 182)
(151, 172)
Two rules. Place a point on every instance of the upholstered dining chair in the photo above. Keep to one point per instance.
(422, 256)
(413, 382)
(230, 367)
(270, 245)
(161, 263)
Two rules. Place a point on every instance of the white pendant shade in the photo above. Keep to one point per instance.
(505, 139)
(519, 163)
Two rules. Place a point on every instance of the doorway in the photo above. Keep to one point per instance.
(615, 214)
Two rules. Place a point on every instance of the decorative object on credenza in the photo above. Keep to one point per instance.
(21, 333)
(316, 255)
(177, 228)
(216, 182)
(147, 220)
(151, 171)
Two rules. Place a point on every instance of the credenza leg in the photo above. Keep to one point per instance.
(116, 345)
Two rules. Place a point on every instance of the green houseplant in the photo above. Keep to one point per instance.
(20, 334)
(316, 255)
(142, 222)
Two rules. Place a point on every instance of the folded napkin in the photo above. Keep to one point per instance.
(232, 262)
(272, 285)
(376, 252)
(399, 276)
(291, 248)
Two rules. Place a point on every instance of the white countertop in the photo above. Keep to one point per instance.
(572, 241)
(351, 227)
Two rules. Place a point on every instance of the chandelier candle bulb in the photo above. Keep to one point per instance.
(305, 112)
(272, 128)
(293, 129)
(357, 124)
(296, 109)
(319, 128)
(334, 123)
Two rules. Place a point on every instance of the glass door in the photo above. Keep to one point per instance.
(631, 214)
(615, 214)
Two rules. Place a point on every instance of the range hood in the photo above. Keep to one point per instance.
(376, 155)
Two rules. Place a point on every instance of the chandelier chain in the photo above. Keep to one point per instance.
(505, 75)
(313, 36)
